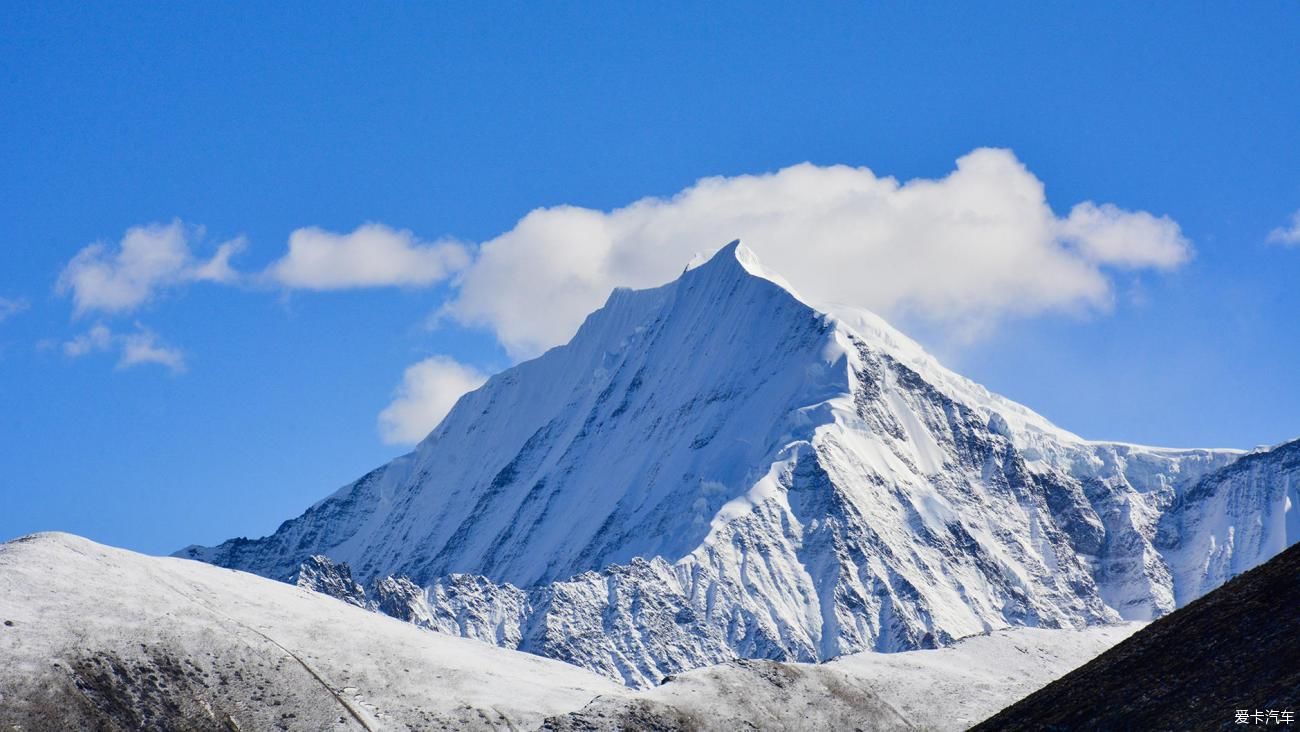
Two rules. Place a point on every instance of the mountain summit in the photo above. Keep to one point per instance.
(715, 468)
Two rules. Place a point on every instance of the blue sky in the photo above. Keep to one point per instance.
(218, 401)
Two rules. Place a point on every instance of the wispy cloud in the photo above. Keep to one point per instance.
(373, 255)
(1287, 235)
(98, 338)
(144, 347)
(141, 347)
(10, 307)
(148, 259)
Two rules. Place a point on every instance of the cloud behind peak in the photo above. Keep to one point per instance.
(963, 251)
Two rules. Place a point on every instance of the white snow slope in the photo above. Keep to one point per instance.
(716, 469)
(98, 638)
(950, 688)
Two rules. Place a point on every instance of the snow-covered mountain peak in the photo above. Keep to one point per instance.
(737, 254)
(861, 326)
(731, 251)
(717, 467)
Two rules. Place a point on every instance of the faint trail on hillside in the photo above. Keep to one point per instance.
(347, 706)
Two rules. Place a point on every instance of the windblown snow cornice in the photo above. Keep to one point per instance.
(717, 468)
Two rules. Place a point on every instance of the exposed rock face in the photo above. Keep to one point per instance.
(715, 469)
(319, 574)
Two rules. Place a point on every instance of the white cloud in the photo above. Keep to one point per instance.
(218, 268)
(1287, 235)
(144, 347)
(136, 349)
(1109, 235)
(147, 259)
(11, 306)
(98, 338)
(373, 255)
(962, 251)
(428, 391)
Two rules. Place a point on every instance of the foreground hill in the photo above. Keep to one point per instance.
(716, 468)
(947, 688)
(1237, 648)
(98, 638)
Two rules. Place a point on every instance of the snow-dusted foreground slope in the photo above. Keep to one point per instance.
(938, 689)
(98, 638)
(716, 469)
(958, 686)
(94, 637)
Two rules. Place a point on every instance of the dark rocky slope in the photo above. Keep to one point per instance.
(1237, 648)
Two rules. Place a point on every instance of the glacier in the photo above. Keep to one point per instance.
(718, 468)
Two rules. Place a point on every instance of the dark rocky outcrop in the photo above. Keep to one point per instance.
(1237, 648)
